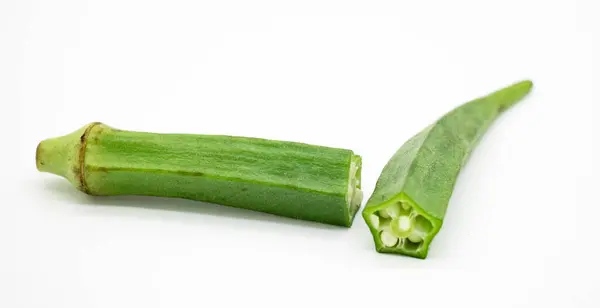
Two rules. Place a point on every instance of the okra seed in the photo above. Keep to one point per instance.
(383, 214)
(392, 211)
(374, 221)
(405, 206)
(357, 197)
(414, 237)
(388, 239)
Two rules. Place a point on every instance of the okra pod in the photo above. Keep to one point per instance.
(296, 180)
(407, 207)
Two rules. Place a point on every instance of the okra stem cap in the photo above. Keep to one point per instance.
(63, 156)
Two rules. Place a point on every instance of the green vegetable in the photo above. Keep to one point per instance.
(288, 179)
(408, 204)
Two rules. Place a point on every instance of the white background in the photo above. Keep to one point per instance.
(521, 229)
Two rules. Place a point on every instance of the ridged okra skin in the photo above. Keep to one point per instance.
(296, 180)
(409, 202)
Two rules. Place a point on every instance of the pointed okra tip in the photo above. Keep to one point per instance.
(63, 155)
(401, 227)
(511, 95)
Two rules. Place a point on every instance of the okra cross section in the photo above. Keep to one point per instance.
(411, 196)
(291, 179)
(399, 226)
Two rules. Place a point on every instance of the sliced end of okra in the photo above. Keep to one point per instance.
(400, 226)
(355, 194)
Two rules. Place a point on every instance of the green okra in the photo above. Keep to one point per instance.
(290, 179)
(409, 202)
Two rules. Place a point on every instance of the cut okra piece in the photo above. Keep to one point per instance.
(290, 179)
(409, 202)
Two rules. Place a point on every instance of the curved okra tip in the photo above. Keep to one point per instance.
(290, 179)
(409, 202)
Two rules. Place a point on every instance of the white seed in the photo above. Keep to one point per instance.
(383, 213)
(374, 221)
(358, 197)
(405, 206)
(392, 211)
(388, 239)
(415, 237)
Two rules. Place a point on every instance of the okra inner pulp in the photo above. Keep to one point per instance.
(355, 194)
(400, 226)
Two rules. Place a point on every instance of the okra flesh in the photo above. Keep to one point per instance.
(411, 196)
(296, 180)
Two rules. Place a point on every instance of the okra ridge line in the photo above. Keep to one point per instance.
(217, 177)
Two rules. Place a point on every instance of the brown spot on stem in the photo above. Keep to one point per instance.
(82, 147)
